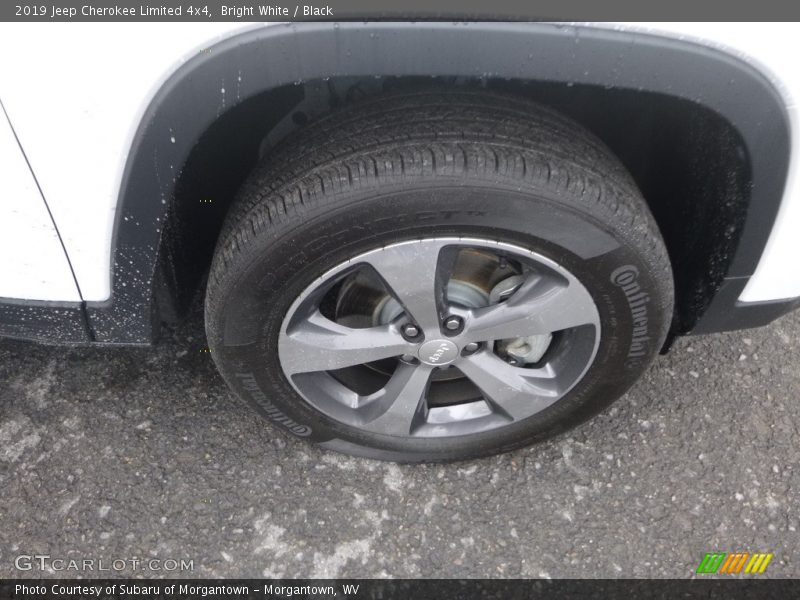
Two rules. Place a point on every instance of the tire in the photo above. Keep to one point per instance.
(509, 183)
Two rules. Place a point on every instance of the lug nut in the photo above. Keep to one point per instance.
(410, 331)
(408, 358)
(452, 323)
(471, 347)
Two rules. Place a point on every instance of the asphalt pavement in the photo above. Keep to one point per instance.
(120, 454)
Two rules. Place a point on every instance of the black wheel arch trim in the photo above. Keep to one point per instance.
(43, 321)
(264, 58)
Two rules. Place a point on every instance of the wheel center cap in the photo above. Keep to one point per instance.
(438, 352)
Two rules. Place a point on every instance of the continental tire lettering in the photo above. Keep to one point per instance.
(272, 412)
(626, 278)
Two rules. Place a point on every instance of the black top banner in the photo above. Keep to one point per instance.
(281, 10)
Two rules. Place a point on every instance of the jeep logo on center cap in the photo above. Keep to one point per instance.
(438, 352)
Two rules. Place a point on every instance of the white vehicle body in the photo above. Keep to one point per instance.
(76, 94)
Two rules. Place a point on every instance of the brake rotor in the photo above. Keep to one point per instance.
(362, 299)
(479, 278)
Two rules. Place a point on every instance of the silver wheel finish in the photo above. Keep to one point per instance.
(547, 300)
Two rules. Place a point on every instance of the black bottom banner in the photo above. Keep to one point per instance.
(381, 589)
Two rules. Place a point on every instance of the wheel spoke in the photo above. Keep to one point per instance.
(400, 406)
(515, 392)
(541, 305)
(416, 274)
(319, 344)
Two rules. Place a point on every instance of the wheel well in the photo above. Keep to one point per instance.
(705, 134)
(691, 165)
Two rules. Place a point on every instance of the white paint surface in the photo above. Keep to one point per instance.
(76, 93)
(32, 262)
(78, 90)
